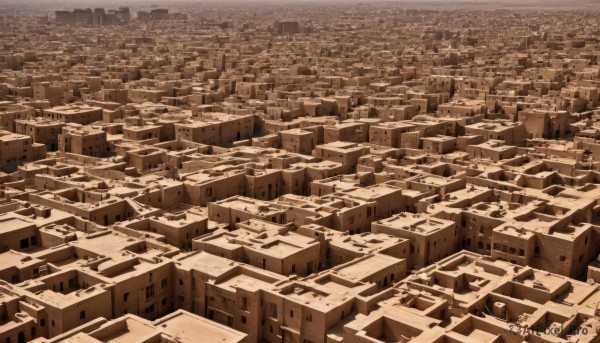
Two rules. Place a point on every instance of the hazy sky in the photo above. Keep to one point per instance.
(164, 2)
(51, 5)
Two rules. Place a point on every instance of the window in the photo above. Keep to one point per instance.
(149, 291)
(291, 313)
(24, 244)
(293, 268)
(125, 296)
(82, 315)
(163, 283)
(243, 319)
(309, 318)
(274, 310)
(562, 259)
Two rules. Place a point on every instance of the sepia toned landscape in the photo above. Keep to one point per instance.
(300, 171)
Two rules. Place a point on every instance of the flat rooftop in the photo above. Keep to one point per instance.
(187, 327)
(10, 224)
(365, 267)
(417, 223)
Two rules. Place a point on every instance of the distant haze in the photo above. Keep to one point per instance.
(47, 7)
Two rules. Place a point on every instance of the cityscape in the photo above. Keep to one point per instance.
(300, 171)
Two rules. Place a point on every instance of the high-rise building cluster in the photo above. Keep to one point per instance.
(311, 173)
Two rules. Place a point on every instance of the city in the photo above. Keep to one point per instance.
(300, 172)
